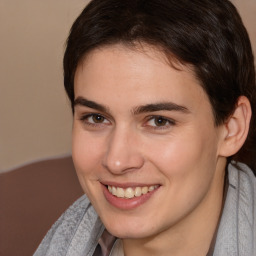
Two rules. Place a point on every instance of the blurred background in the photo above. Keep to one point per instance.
(35, 118)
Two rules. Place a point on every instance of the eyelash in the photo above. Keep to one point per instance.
(85, 118)
(170, 122)
(167, 122)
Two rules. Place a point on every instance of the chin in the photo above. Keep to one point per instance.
(129, 229)
(128, 233)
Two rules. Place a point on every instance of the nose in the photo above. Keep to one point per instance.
(122, 152)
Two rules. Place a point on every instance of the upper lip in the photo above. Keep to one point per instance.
(128, 184)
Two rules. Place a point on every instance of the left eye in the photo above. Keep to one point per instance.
(159, 121)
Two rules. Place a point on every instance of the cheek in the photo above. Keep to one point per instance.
(185, 158)
(188, 166)
(86, 153)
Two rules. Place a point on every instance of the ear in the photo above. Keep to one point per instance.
(235, 129)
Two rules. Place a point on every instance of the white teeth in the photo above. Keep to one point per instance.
(120, 192)
(130, 192)
(144, 190)
(151, 188)
(114, 191)
(137, 191)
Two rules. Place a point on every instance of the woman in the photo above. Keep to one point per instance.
(163, 96)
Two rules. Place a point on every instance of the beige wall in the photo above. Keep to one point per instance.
(35, 119)
(247, 9)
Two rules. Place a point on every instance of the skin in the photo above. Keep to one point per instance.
(125, 144)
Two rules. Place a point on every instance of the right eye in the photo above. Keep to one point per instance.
(94, 119)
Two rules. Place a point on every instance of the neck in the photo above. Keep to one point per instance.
(193, 234)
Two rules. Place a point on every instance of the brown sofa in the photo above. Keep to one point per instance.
(31, 199)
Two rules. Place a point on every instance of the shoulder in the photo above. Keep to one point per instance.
(242, 178)
(242, 189)
(74, 232)
(237, 229)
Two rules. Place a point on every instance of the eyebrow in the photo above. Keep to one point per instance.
(80, 101)
(162, 106)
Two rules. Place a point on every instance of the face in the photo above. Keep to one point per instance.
(144, 142)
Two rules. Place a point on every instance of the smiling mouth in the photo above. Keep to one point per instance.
(129, 193)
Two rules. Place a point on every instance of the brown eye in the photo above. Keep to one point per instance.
(160, 121)
(94, 119)
(98, 119)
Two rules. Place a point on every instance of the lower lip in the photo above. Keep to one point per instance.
(127, 204)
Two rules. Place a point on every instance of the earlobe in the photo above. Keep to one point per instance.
(236, 128)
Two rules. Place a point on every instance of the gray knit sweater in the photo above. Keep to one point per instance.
(78, 230)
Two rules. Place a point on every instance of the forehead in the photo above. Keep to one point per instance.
(141, 74)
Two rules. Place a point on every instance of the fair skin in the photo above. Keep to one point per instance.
(138, 123)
